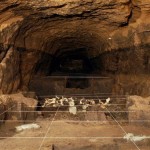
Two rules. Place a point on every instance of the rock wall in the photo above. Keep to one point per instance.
(132, 85)
(10, 72)
(17, 107)
(109, 30)
(138, 108)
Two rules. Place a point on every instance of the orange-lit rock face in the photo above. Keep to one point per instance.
(114, 35)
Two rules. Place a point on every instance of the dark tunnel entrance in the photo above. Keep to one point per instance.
(70, 71)
(71, 65)
(75, 64)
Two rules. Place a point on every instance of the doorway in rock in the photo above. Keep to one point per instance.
(71, 62)
(75, 64)
(69, 71)
(80, 83)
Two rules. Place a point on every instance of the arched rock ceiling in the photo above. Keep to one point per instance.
(52, 36)
(50, 25)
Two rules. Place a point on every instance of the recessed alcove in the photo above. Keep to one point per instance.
(68, 70)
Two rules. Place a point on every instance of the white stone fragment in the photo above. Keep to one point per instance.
(71, 103)
(82, 101)
(107, 101)
(92, 102)
(27, 126)
(103, 105)
(57, 97)
(73, 110)
(61, 102)
(84, 107)
(132, 137)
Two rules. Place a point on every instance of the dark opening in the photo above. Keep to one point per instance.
(70, 71)
(80, 83)
(72, 63)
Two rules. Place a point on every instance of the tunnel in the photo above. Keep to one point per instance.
(47, 52)
(68, 63)
(77, 38)
(74, 74)
(85, 44)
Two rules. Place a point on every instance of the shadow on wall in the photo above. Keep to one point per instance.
(56, 85)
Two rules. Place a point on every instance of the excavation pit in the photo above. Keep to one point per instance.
(92, 53)
(102, 123)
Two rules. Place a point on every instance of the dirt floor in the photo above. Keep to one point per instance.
(72, 135)
(95, 129)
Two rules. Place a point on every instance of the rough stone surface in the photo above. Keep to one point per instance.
(132, 85)
(10, 73)
(140, 107)
(109, 30)
(10, 105)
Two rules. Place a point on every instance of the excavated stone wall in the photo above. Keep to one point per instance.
(115, 34)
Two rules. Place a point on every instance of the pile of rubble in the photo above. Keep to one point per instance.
(73, 102)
